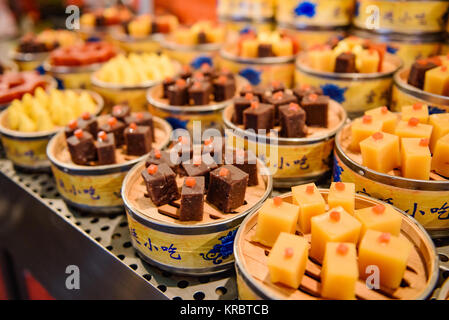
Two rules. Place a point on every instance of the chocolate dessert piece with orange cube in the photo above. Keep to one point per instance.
(142, 119)
(199, 168)
(259, 116)
(89, 123)
(345, 63)
(316, 108)
(161, 185)
(276, 86)
(177, 94)
(223, 88)
(192, 199)
(305, 89)
(81, 147)
(199, 93)
(227, 188)
(158, 157)
(277, 99)
(121, 111)
(292, 119)
(168, 81)
(70, 129)
(117, 128)
(247, 162)
(137, 139)
(258, 91)
(105, 146)
(241, 104)
(418, 71)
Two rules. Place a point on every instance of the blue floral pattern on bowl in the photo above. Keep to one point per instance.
(334, 92)
(306, 8)
(199, 61)
(221, 251)
(338, 170)
(252, 75)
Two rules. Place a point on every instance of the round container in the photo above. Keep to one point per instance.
(95, 188)
(316, 13)
(249, 10)
(239, 25)
(128, 43)
(291, 161)
(410, 17)
(28, 61)
(408, 47)
(357, 92)
(425, 200)
(183, 117)
(50, 84)
(444, 292)
(27, 150)
(404, 94)
(252, 272)
(72, 77)
(191, 248)
(97, 33)
(259, 71)
(186, 54)
(308, 37)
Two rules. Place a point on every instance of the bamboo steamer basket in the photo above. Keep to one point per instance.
(253, 280)
(190, 248)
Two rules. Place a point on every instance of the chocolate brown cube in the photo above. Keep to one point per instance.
(81, 147)
(169, 81)
(199, 169)
(117, 128)
(301, 91)
(240, 105)
(418, 71)
(121, 111)
(158, 157)
(257, 91)
(178, 93)
(265, 50)
(88, 122)
(223, 88)
(161, 184)
(199, 93)
(278, 99)
(292, 119)
(192, 199)
(105, 146)
(345, 63)
(247, 162)
(259, 116)
(316, 108)
(138, 140)
(142, 119)
(227, 188)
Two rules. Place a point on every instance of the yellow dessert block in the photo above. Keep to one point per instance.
(380, 152)
(283, 48)
(386, 252)
(311, 203)
(440, 124)
(216, 35)
(368, 61)
(342, 194)
(413, 129)
(185, 36)
(140, 27)
(418, 110)
(249, 48)
(334, 226)
(275, 216)
(436, 80)
(388, 118)
(440, 160)
(287, 259)
(382, 217)
(415, 158)
(362, 128)
(322, 59)
(340, 272)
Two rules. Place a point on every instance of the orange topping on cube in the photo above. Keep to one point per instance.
(249, 96)
(254, 105)
(384, 237)
(384, 110)
(310, 189)
(157, 154)
(342, 249)
(207, 141)
(190, 182)
(413, 122)
(205, 66)
(278, 95)
(313, 97)
(222, 79)
(139, 115)
(152, 169)
(379, 209)
(117, 108)
(180, 82)
(133, 126)
(424, 142)
(367, 119)
(223, 172)
(79, 133)
(417, 106)
(197, 85)
(378, 136)
(248, 87)
(275, 83)
(198, 76)
(293, 106)
(421, 62)
(334, 216)
(288, 253)
(86, 116)
(185, 68)
(73, 124)
(305, 86)
(168, 79)
(277, 201)
(444, 68)
(112, 121)
(102, 135)
(340, 186)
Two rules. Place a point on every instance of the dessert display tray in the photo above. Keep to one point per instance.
(252, 272)
(85, 238)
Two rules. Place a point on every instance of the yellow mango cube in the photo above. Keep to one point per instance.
(436, 80)
(413, 129)
(381, 217)
(287, 259)
(362, 128)
(380, 152)
(140, 27)
(216, 34)
(340, 271)
(185, 36)
(440, 160)
(275, 216)
(311, 204)
(322, 59)
(249, 48)
(440, 124)
(415, 158)
(335, 225)
(388, 118)
(367, 61)
(342, 194)
(418, 110)
(283, 48)
(386, 252)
